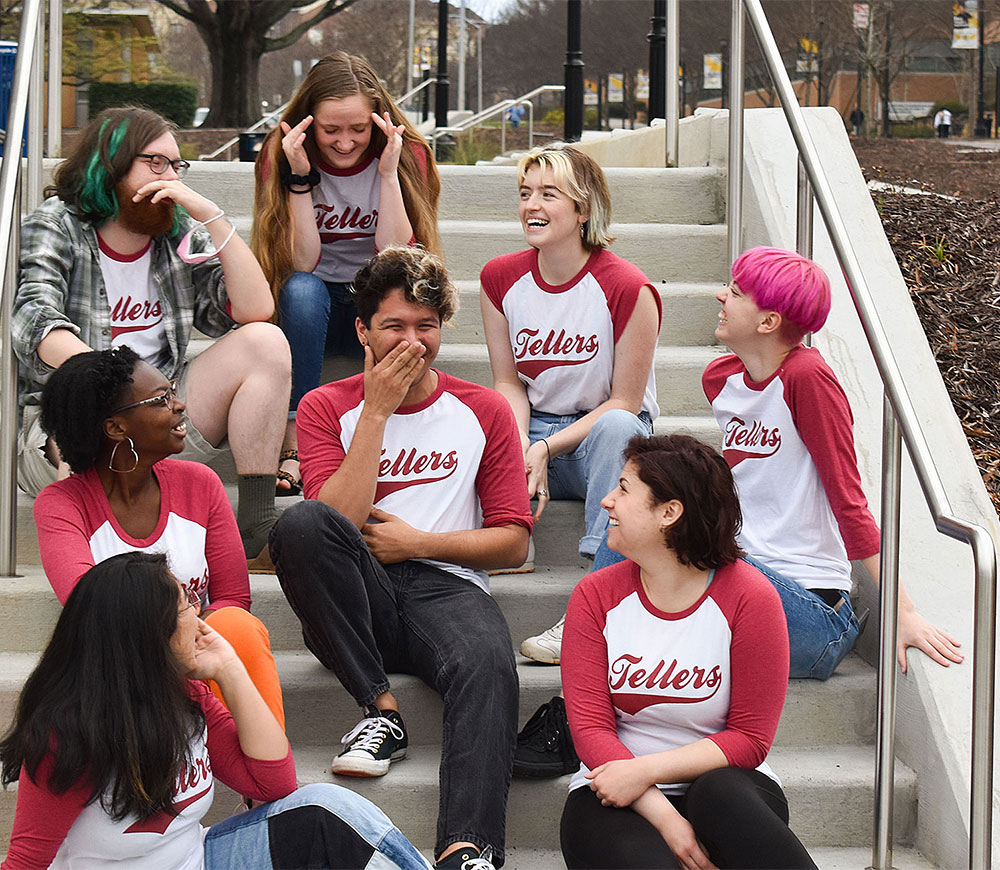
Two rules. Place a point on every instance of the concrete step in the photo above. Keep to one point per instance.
(691, 195)
(690, 314)
(694, 195)
(665, 252)
(829, 791)
(678, 373)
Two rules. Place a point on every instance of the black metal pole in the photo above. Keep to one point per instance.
(981, 129)
(657, 38)
(425, 73)
(441, 88)
(573, 74)
(601, 93)
(886, 129)
(996, 102)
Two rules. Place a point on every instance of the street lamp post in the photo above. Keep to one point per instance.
(657, 38)
(981, 129)
(573, 74)
(441, 86)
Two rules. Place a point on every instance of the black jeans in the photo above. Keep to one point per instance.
(740, 817)
(362, 619)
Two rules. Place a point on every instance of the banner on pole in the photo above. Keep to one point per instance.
(712, 75)
(616, 88)
(862, 16)
(641, 85)
(965, 33)
(590, 92)
(808, 56)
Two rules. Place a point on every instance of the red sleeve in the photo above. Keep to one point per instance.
(318, 426)
(500, 273)
(42, 819)
(585, 666)
(260, 780)
(63, 536)
(822, 416)
(622, 282)
(758, 661)
(500, 481)
(717, 372)
(228, 579)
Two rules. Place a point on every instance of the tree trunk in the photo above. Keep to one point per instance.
(235, 46)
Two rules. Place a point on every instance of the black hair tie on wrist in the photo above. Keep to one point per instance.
(290, 180)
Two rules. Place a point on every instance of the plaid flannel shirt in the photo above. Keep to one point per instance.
(61, 286)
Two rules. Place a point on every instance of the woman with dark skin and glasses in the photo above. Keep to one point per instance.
(117, 743)
(675, 672)
(116, 420)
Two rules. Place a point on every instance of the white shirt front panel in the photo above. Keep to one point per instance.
(136, 310)
(346, 208)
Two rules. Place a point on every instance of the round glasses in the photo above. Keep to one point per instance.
(159, 163)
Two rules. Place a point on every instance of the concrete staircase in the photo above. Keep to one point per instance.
(670, 224)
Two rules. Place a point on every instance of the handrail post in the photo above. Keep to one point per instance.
(10, 171)
(889, 607)
(983, 700)
(55, 79)
(803, 212)
(36, 115)
(531, 122)
(673, 62)
(734, 204)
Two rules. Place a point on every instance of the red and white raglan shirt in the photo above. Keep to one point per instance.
(196, 529)
(134, 300)
(346, 205)
(564, 336)
(638, 680)
(65, 831)
(789, 441)
(450, 463)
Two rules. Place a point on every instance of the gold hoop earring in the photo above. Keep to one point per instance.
(135, 457)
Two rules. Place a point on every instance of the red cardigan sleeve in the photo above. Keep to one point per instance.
(63, 539)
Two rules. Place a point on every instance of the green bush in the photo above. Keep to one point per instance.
(953, 106)
(913, 130)
(554, 118)
(176, 102)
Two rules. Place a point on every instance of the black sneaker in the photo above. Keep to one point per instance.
(372, 744)
(544, 746)
(468, 858)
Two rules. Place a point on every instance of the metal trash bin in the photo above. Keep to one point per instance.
(250, 146)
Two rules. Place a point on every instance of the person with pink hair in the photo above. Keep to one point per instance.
(787, 434)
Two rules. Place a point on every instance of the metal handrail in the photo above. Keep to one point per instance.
(410, 94)
(253, 128)
(28, 57)
(900, 420)
(501, 107)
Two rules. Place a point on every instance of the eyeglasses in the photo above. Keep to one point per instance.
(193, 600)
(167, 399)
(159, 163)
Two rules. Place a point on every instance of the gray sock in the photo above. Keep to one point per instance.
(255, 513)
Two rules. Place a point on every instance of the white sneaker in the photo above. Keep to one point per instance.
(527, 568)
(546, 646)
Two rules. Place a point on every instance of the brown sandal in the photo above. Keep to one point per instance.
(294, 484)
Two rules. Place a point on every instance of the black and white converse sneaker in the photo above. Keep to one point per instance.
(467, 858)
(372, 744)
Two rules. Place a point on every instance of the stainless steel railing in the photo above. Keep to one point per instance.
(27, 69)
(900, 426)
(499, 109)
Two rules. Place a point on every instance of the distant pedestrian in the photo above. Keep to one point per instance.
(942, 123)
(514, 115)
(857, 120)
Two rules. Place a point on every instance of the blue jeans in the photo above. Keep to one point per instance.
(819, 637)
(319, 825)
(592, 470)
(318, 320)
(364, 620)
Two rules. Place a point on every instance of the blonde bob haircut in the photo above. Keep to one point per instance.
(577, 175)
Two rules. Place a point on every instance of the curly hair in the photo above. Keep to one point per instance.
(683, 468)
(418, 273)
(335, 77)
(579, 176)
(108, 699)
(105, 151)
(80, 395)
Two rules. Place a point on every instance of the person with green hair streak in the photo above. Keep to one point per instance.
(124, 252)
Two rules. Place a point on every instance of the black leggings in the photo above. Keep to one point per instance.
(740, 816)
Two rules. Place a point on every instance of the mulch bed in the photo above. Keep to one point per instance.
(949, 253)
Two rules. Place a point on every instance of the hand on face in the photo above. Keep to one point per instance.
(293, 144)
(388, 381)
(213, 654)
(161, 189)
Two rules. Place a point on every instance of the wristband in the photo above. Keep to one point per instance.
(290, 180)
(548, 453)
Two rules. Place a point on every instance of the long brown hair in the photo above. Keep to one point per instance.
(335, 77)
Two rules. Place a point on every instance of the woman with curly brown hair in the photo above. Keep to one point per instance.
(344, 176)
